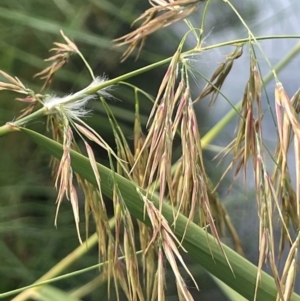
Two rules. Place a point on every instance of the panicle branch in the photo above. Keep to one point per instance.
(58, 60)
(162, 14)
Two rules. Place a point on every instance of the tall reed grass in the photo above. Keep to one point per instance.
(168, 199)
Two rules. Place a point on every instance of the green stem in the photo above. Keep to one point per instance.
(134, 73)
(13, 126)
(10, 127)
(50, 276)
(28, 289)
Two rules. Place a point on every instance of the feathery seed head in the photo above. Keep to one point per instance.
(73, 105)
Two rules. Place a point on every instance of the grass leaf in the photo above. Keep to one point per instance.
(200, 245)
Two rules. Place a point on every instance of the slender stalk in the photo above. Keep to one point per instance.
(184, 54)
(59, 268)
(92, 89)
(13, 126)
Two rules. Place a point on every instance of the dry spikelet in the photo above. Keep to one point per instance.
(162, 14)
(141, 174)
(282, 100)
(124, 222)
(248, 145)
(287, 111)
(248, 138)
(60, 121)
(187, 189)
(288, 127)
(290, 117)
(93, 205)
(218, 78)
(64, 176)
(194, 197)
(160, 136)
(58, 60)
(194, 200)
(289, 271)
(133, 278)
(15, 85)
(163, 235)
(160, 275)
(266, 200)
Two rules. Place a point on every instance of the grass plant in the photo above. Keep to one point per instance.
(165, 206)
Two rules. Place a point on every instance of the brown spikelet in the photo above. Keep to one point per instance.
(186, 186)
(289, 212)
(63, 51)
(285, 125)
(161, 133)
(15, 85)
(163, 235)
(288, 130)
(64, 176)
(218, 78)
(247, 142)
(162, 14)
(289, 271)
(281, 175)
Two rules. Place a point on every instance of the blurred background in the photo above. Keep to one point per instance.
(29, 243)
